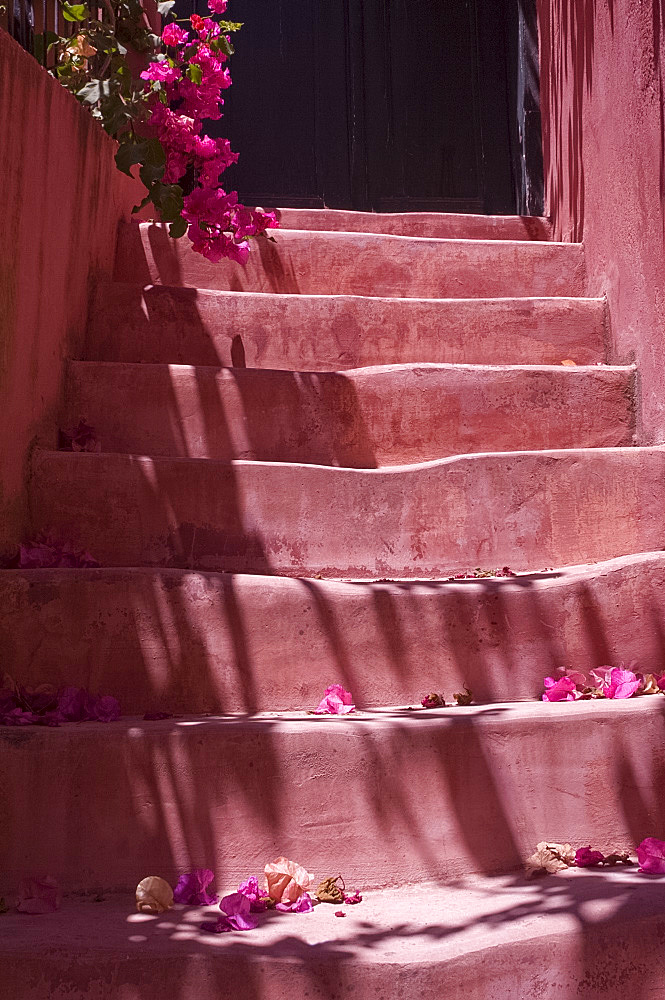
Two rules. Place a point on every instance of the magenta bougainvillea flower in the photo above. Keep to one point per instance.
(250, 888)
(46, 553)
(561, 689)
(586, 858)
(236, 915)
(302, 905)
(46, 707)
(433, 700)
(335, 701)
(651, 856)
(191, 888)
(181, 92)
(39, 895)
(353, 897)
(622, 684)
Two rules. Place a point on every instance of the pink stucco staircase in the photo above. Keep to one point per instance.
(295, 459)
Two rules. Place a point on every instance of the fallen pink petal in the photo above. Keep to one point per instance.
(651, 856)
(335, 701)
(353, 897)
(622, 684)
(302, 905)
(191, 888)
(39, 895)
(561, 689)
(586, 858)
(250, 888)
(237, 908)
(340, 913)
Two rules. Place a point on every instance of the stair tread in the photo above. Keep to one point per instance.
(476, 939)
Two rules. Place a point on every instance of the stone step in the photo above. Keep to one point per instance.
(480, 939)
(522, 509)
(362, 418)
(389, 797)
(321, 332)
(358, 264)
(179, 641)
(435, 225)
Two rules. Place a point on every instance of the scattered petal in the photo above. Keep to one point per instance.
(329, 892)
(464, 697)
(153, 895)
(39, 895)
(549, 858)
(237, 908)
(561, 689)
(622, 684)
(335, 701)
(433, 700)
(340, 913)
(651, 856)
(191, 888)
(586, 858)
(302, 905)
(286, 881)
(250, 888)
(618, 858)
(353, 897)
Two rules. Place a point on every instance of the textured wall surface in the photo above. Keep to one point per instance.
(602, 80)
(60, 202)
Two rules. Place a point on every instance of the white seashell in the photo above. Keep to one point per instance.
(153, 895)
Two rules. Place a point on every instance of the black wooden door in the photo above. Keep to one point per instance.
(385, 105)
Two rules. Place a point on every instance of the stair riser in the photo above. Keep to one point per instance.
(358, 264)
(318, 333)
(527, 510)
(409, 799)
(363, 419)
(424, 224)
(181, 642)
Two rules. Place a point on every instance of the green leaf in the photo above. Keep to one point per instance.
(168, 199)
(178, 228)
(44, 43)
(74, 11)
(195, 73)
(128, 154)
(151, 172)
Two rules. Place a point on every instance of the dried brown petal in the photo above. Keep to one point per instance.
(153, 895)
(649, 685)
(329, 891)
(618, 858)
(549, 858)
(464, 697)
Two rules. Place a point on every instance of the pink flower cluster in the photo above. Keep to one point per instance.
(186, 87)
(44, 706)
(604, 682)
(48, 553)
(335, 701)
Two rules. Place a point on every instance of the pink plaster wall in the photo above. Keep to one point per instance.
(602, 82)
(61, 198)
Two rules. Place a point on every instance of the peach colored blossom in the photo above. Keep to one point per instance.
(286, 881)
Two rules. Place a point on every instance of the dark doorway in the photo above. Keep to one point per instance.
(385, 105)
